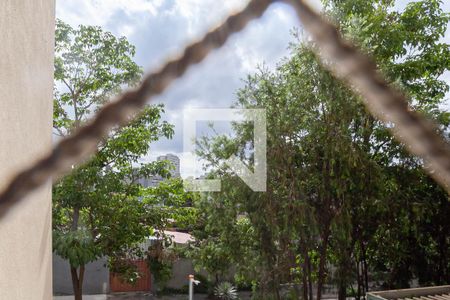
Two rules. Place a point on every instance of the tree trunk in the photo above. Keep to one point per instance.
(358, 278)
(306, 272)
(77, 282)
(275, 287)
(323, 258)
(366, 272)
(305, 282)
(310, 289)
(342, 293)
(77, 279)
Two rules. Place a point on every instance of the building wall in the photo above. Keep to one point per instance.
(96, 277)
(153, 181)
(183, 267)
(26, 83)
(174, 160)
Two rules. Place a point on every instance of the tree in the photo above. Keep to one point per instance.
(99, 209)
(335, 174)
(91, 66)
(407, 48)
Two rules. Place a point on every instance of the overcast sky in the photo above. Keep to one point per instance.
(161, 28)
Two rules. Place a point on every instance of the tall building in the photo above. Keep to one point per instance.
(174, 160)
(153, 181)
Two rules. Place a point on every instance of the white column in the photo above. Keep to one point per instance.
(26, 82)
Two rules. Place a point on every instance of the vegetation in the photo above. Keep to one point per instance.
(100, 209)
(225, 291)
(341, 191)
(160, 259)
(345, 204)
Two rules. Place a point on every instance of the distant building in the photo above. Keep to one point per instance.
(153, 181)
(174, 160)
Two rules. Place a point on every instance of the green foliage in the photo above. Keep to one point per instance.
(223, 237)
(225, 291)
(104, 192)
(161, 270)
(340, 189)
(160, 259)
(205, 286)
(77, 247)
(125, 270)
(91, 66)
(100, 209)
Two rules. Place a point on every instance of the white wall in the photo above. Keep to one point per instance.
(96, 277)
(26, 81)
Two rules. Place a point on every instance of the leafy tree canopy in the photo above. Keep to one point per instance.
(100, 209)
(340, 188)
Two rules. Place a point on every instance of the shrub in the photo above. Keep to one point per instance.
(225, 291)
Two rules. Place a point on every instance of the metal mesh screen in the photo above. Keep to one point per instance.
(420, 136)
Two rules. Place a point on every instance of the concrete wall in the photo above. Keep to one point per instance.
(181, 269)
(96, 277)
(26, 82)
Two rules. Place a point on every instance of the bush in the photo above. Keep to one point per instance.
(225, 291)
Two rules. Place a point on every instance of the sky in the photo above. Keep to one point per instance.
(161, 28)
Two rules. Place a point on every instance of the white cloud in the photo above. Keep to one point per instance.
(160, 28)
(201, 13)
(249, 59)
(99, 12)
